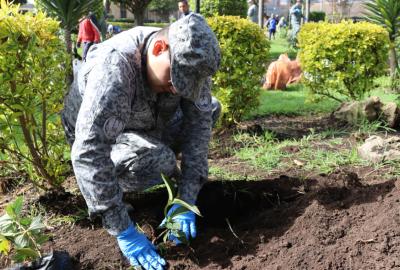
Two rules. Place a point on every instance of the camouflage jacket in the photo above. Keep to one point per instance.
(109, 96)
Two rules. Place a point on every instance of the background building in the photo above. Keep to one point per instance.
(339, 8)
(280, 7)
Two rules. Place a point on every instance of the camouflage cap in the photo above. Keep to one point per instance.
(195, 55)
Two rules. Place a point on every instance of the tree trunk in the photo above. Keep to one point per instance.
(68, 40)
(69, 76)
(307, 11)
(108, 6)
(392, 59)
(261, 13)
(139, 17)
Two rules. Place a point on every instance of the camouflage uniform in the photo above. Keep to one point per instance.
(123, 135)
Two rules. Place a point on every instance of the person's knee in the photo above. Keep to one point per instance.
(167, 159)
(216, 110)
(154, 161)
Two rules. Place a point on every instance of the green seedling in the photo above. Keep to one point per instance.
(20, 236)
(170, 226)
(135, 268)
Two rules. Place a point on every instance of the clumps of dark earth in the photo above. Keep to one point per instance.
(348, 219)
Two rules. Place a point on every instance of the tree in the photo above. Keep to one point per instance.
(387, 14)
(136, 7)
(163, 7)
(69, 12)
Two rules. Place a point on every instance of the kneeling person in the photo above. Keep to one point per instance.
(142, 97)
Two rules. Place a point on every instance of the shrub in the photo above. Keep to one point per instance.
(316, 16)
(32, 84)
(122, 20)
(244, 49)
(20, 235)
(224, 7)
(123, 25)
(341, 60)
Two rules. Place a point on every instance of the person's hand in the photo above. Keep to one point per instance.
(139, 250)
(187, 223)
(78, 44)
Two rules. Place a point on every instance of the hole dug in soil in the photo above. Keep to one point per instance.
(331, 222)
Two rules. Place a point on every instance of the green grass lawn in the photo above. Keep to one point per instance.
(382, 90)
(278, 46)
(293, 100)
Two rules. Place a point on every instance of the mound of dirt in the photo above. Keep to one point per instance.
(301, 220)
(328, 222)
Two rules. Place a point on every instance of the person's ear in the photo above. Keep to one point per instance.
(159, 47)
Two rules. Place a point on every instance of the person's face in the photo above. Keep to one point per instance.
(159, 69)
(183, 7)
(298, 3)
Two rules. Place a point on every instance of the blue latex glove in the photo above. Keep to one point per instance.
(187, 221)
(139, 250)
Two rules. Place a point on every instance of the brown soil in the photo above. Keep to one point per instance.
(346, 220)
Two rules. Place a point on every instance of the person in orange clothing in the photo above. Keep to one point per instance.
(282, 72)
(88, 34)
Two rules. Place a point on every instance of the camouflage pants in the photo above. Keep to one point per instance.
(139, 158)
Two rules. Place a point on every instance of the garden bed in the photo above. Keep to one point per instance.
(291, 218)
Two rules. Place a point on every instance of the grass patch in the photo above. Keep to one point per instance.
(278, 46)
(223, 174)
(326, 161)
(367, 127)
(261, 151)
(316, 152)
(383, 91)
(267, 157)
(292, 101)
(393, 168)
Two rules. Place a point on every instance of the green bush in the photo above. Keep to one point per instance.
(160, 25)
(32, 84)
(121, 20)
(124, 25)
(316, 16)
(21, 236)
(224, 7)
(341, 60)
(244, 49)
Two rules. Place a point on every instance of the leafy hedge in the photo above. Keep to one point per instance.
(127, 25)
(224, 7)
(244, 49)
(341, 60)
(316, 16)
(123, 25)
(32, 84)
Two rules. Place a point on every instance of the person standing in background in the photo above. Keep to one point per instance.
(272, 26)
(89, 34)
(252, 12)
(295, 19)
(183, 8)
(282, 23)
